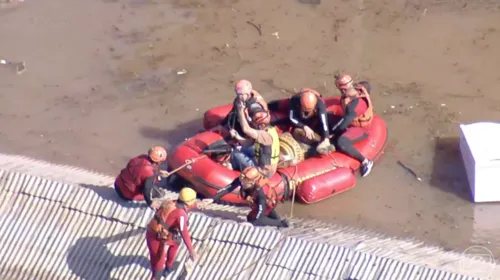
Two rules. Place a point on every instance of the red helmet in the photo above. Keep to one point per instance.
(343, 81)
(243, 87)
(261, 118)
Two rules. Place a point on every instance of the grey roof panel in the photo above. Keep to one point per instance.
(200, 225)
(58, 230)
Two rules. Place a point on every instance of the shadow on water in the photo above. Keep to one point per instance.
(174, 135)
(90, 258)
(448, 172)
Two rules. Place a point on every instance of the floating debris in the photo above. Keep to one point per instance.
(256, 26)
(275, 34)
(182, 72)
(19, 67)
(409, 170)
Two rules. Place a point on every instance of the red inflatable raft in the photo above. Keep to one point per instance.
(314, 179)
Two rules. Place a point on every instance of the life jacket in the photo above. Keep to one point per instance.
(268, 155)
(159, 225)
(131, 179)
(252, 197)
(366, 118)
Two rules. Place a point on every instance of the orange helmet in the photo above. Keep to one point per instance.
(243, 87)
(157, 154)
(261, 118)
(251, 175)
(308, 101)
(343, 81)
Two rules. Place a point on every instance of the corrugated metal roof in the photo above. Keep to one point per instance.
(66, 223)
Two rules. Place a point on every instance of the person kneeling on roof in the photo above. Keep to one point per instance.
(260, 144)
(254, 188)
(137, 181)
(168, 226)
(309, 120)
(357, 117)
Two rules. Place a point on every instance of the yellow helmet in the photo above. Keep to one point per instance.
(188, 196)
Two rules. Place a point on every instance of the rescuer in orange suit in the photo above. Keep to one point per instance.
(168, 226)
(261, 198)
(357, 116)
(252, 100)
(137, 181)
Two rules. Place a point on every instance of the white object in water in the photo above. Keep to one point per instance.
(182, 72)
(480, 149)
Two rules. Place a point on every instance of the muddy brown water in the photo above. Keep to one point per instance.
(101, 85)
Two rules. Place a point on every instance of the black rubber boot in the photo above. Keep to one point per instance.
(169, 270)
(157, 275)
(285, 223)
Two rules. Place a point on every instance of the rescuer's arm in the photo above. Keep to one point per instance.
(294, 112)
(228, 189)
(149, 185)
(245, 126)
(186, 236)
(323, 119)
(292, 116)
(349, 116)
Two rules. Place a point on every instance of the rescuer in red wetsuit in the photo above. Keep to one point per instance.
(137, 180)
(170, 221)
(357, 117)
(260, 196)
